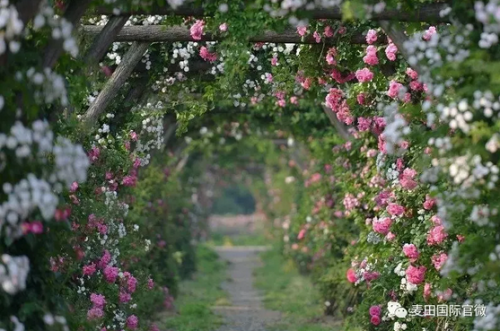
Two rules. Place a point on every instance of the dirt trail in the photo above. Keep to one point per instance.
(246, 312)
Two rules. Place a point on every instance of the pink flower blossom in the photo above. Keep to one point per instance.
(351, 276)
(154, 327)
(411, 252)
(94, 154)
(436, 235)
(412, 73)
(438, 260)
(36, 227)
(151, 284)
(223, 27)
(390, 52)
(381, 225)
(89, 269)
(427, 291)
(460, 238)
(364, 123)
(436, 220)
(95, 313)
(124, 297)
(129, 181)
(371, 36)
(74, 187)
(206, 55)
(415, 275)
(134, 136)
(429, 202)
(370, 275)
(395, 210)
(375, 311)
(131, 284)
(361, 99)
(294, 100)
(196, 30)
(110, 274)
(328, 31)
(364, 75)
(306, 84)
(330, 56)
(371, 56)
(274, 61)
(407, 179)
(301, 30)
(132, 322)
(301, 234)
(429, 33)
(317, 36)
(98, 300)
(390, 236)
(375, 320)
(394, 88)
(350, 202)
(105, 259)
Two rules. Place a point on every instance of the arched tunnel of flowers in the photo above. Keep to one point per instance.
(366, 130)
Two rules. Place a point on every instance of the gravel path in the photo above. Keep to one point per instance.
(246, 312)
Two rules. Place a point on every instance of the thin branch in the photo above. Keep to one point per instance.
(425, 13)
(73, 14)
(119, 77)
(105, 38)
(155, 33)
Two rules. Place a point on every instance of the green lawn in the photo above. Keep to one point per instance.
(198, 295)
(287, 291)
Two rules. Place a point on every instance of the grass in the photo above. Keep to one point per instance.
(287, 291)
(199, 294)
(255, 239)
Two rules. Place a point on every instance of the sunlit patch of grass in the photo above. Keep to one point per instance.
(199, 295)
(253, 239)
(287, 291)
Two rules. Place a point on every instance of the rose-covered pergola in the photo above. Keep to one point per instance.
(382, 116)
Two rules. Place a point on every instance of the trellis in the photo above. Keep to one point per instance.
(142, 36)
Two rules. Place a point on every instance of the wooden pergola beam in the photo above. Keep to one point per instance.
(117, 80)
(425, 13)
(156, 33)
(105, 38)
(73, 14)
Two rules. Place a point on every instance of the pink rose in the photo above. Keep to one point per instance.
(390, 236)
(301, 234)
(371, 56)
(98, 300)
(364, 75)
(436, 235)
(415, 275)
(351, 276)
(89, 270)
(301, 30)
(407, 179)
(429, 202)
(95, 313)
(438, 260)
(124, 297)
(371, 36)
(74, 187)
(132, 322)
(110, 274)
(375, 311)
(390, 52)
(429, 33)
(412, 73)
(411, 252)
(328, 31)
(223, 27)
(382, 225)
(394, 88)
(375, 320)
(196, 30)
(395, 210)
(427, 291)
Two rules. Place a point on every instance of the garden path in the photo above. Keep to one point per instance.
(246, 312)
